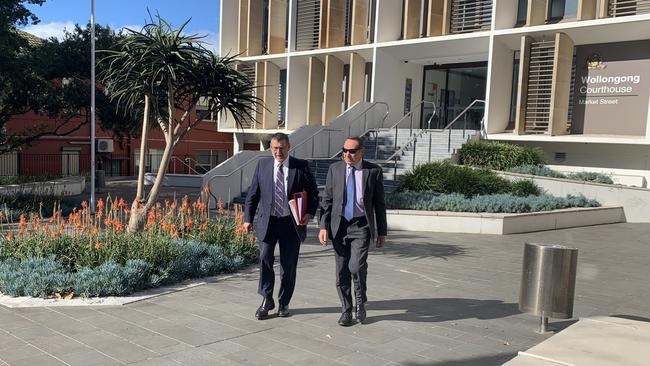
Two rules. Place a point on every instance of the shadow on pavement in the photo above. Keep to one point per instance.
(474, 361)
(397, 247)
(429, 310)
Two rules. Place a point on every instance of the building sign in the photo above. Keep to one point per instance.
(612, 80)
(408, 89)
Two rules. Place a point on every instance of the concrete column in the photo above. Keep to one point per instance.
(536, 12)
(412, 19)
(259, 92)
(522, 85)
(360, 22)
(333, 83)
(237, 143)
(277, 25)
(446, 17)
(242, 36)
(603, 9)
(271, 95)
(335, 23)
(316, 78)
(255, 20)
(562, 63)
(324, 10)
(586, 9)
(435, 18)
(356, 79)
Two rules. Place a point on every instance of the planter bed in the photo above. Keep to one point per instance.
(502, 223)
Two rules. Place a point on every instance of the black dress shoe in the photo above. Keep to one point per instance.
(283, 311)
(263, 311)
(346, 319)
(361, 312)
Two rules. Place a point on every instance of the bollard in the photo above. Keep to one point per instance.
(548, 282)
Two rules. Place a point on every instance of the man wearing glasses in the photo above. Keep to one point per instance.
(274, 183)
(354, 213)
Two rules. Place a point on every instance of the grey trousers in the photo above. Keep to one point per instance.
(351, 252)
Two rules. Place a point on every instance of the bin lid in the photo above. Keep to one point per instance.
(551, 246)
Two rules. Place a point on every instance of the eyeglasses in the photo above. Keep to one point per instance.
(351, 151)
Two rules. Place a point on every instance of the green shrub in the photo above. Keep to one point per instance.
(112, 279)
(591, 177)
(444, 177)
(20, 179)
(14, 205)
(547, 172)
(498, 155)
(37, 277)
(525, 187)
(536, 170)
(497, 203)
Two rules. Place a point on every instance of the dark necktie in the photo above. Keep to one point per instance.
(279, 195)
(350, 195)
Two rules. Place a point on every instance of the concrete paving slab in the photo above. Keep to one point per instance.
(596, 341)
(434, 300)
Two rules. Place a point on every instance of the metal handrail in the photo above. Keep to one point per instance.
(257, 157)
(365, 122)
(463, 113)
(415, 137)
(410, 114)
(189, 168)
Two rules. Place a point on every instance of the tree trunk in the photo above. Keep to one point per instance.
(138, 213)
(138, 216)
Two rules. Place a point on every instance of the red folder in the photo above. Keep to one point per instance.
(298, 206)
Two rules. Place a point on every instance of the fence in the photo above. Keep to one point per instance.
(74, 163)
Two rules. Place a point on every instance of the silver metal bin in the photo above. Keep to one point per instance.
(548, 281)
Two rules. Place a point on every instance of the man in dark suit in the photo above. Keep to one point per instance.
(354, 213)
(273, 185)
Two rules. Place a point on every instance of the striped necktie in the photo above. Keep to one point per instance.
(279, 195)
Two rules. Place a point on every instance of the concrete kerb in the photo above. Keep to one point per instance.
(33, 302)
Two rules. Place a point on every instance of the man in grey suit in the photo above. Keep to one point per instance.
(273, 185)
(354, 213)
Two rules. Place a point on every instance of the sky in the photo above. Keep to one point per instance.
(57, 15)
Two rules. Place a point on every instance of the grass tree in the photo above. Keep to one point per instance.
(165, 74)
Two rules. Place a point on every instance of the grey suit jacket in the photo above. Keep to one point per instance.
(373, 198)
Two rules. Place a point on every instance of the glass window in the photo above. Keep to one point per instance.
(560, 9)
(522, 12)
(515, 87)
(208, 159)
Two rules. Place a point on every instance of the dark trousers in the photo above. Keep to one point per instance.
(283, 231)
(351, 252)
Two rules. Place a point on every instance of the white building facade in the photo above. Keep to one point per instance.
(569, 76)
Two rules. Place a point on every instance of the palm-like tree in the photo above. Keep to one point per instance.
(165, 74)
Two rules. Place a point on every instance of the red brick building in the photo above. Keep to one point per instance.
(202, 149)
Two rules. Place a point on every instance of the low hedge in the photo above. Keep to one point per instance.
(498, 155)
(547, 172)
(14, 205)
(495, 203)
(20, 179)
(444, 177)
(43, 276)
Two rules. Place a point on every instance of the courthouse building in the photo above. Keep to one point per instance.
(569, 76)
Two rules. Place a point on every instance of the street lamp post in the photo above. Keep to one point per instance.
(92, 106)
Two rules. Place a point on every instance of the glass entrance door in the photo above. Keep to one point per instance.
(452, 88)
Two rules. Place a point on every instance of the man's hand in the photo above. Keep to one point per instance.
(305, 219)
(247, 227)
(322, 237)
(381, 240)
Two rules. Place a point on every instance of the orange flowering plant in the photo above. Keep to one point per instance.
(82, 240)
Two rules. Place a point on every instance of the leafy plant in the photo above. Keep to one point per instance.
(498, 155)
(591, 177)
(497, 203)
(525, 187)
(444, 177)
(547, 172)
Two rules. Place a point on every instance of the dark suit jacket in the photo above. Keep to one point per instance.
(373, 198)
(260, 193)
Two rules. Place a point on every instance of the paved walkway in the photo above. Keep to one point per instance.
(434, 299)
